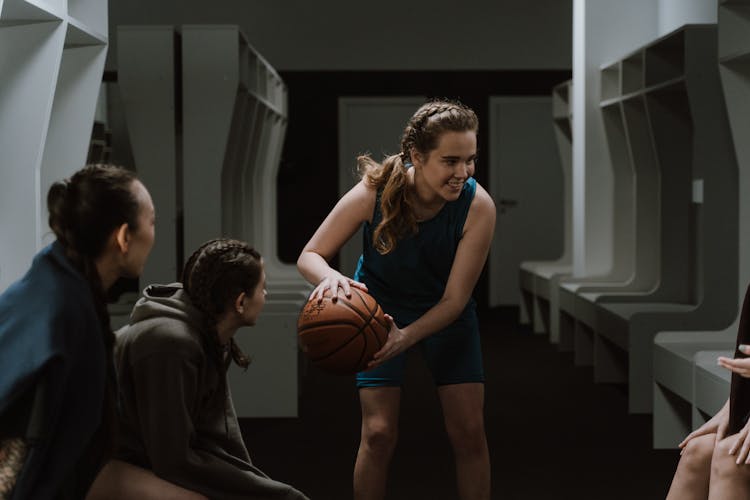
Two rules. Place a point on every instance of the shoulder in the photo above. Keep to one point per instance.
(482, 210)
(359, 201)
(482, 202)
(363, 191)
(159, 336)
(49, 295)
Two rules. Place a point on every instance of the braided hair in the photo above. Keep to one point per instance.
(214, 275)
(84, 210)
(421, 134)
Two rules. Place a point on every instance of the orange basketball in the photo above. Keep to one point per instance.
(341, 337)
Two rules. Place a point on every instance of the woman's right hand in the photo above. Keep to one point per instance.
(716, 425)
(331, 282)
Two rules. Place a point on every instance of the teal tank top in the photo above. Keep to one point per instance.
(411, 279)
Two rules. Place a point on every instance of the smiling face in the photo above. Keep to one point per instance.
(439, 175)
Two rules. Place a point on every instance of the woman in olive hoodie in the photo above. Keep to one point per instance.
(177, 413)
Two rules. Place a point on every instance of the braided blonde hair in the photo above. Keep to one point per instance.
(421, 134)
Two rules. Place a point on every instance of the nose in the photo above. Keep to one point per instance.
(463, 170)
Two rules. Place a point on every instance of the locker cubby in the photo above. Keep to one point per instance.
(676, 129)
(632, 73)
(624, 199)
(646, 195)
(734, 19)
(665, 59)
(91, 14)
(610, 82)
(539, 280)
(51, 65)
(30, 11)
(721, 214)
(233, 118)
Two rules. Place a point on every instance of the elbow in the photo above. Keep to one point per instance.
(301, 261)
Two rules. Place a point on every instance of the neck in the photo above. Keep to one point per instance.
(108, 273)
(226, 328)
(425, 202)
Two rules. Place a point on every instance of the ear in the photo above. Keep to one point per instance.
(122, 237)
(239, 303)
(416, 157)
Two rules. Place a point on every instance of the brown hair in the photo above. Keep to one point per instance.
(421, 134)
(83, 212)
(213, 277)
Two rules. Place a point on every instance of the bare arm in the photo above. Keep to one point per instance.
(354, 208)
(467, 266)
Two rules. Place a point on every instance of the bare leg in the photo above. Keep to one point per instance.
(380, 409)
(122, 481)
(694, 470)
(463, 409)
(728, 480)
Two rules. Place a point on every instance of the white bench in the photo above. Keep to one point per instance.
(674, 382)
(711, 384)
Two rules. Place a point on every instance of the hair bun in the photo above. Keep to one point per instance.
(57, 201)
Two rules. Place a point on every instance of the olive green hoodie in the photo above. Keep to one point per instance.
(175, 417)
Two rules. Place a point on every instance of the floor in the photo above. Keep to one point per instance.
(552, 432)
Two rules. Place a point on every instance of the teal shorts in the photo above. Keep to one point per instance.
(453, 355)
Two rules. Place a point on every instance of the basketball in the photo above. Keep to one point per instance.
(341, 337)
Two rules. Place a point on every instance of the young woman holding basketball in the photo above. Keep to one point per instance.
(177, 413)
(427, 231)
(715, 458)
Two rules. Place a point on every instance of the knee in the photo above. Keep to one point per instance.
(696, 456)
(724, 466)
(467, 436)
(379, 435)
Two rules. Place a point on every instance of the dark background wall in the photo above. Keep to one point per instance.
(384, 35)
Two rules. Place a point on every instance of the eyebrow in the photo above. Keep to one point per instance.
(449, 157)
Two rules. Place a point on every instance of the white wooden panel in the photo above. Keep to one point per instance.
(78, 84)
(29, 64)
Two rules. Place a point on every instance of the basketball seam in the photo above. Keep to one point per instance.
(348, 341)
(372, 313)
(308, 326)
(372, 316)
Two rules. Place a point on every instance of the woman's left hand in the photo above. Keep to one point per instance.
(740, 366)
(396, 343)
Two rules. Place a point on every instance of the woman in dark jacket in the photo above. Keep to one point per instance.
(57, 383)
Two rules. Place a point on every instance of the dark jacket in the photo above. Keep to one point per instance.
(50, 340)
(176, 417)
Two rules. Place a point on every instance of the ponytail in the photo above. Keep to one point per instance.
(391, 181)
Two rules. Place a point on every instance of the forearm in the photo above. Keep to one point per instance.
(312, 266)
(436, 318)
